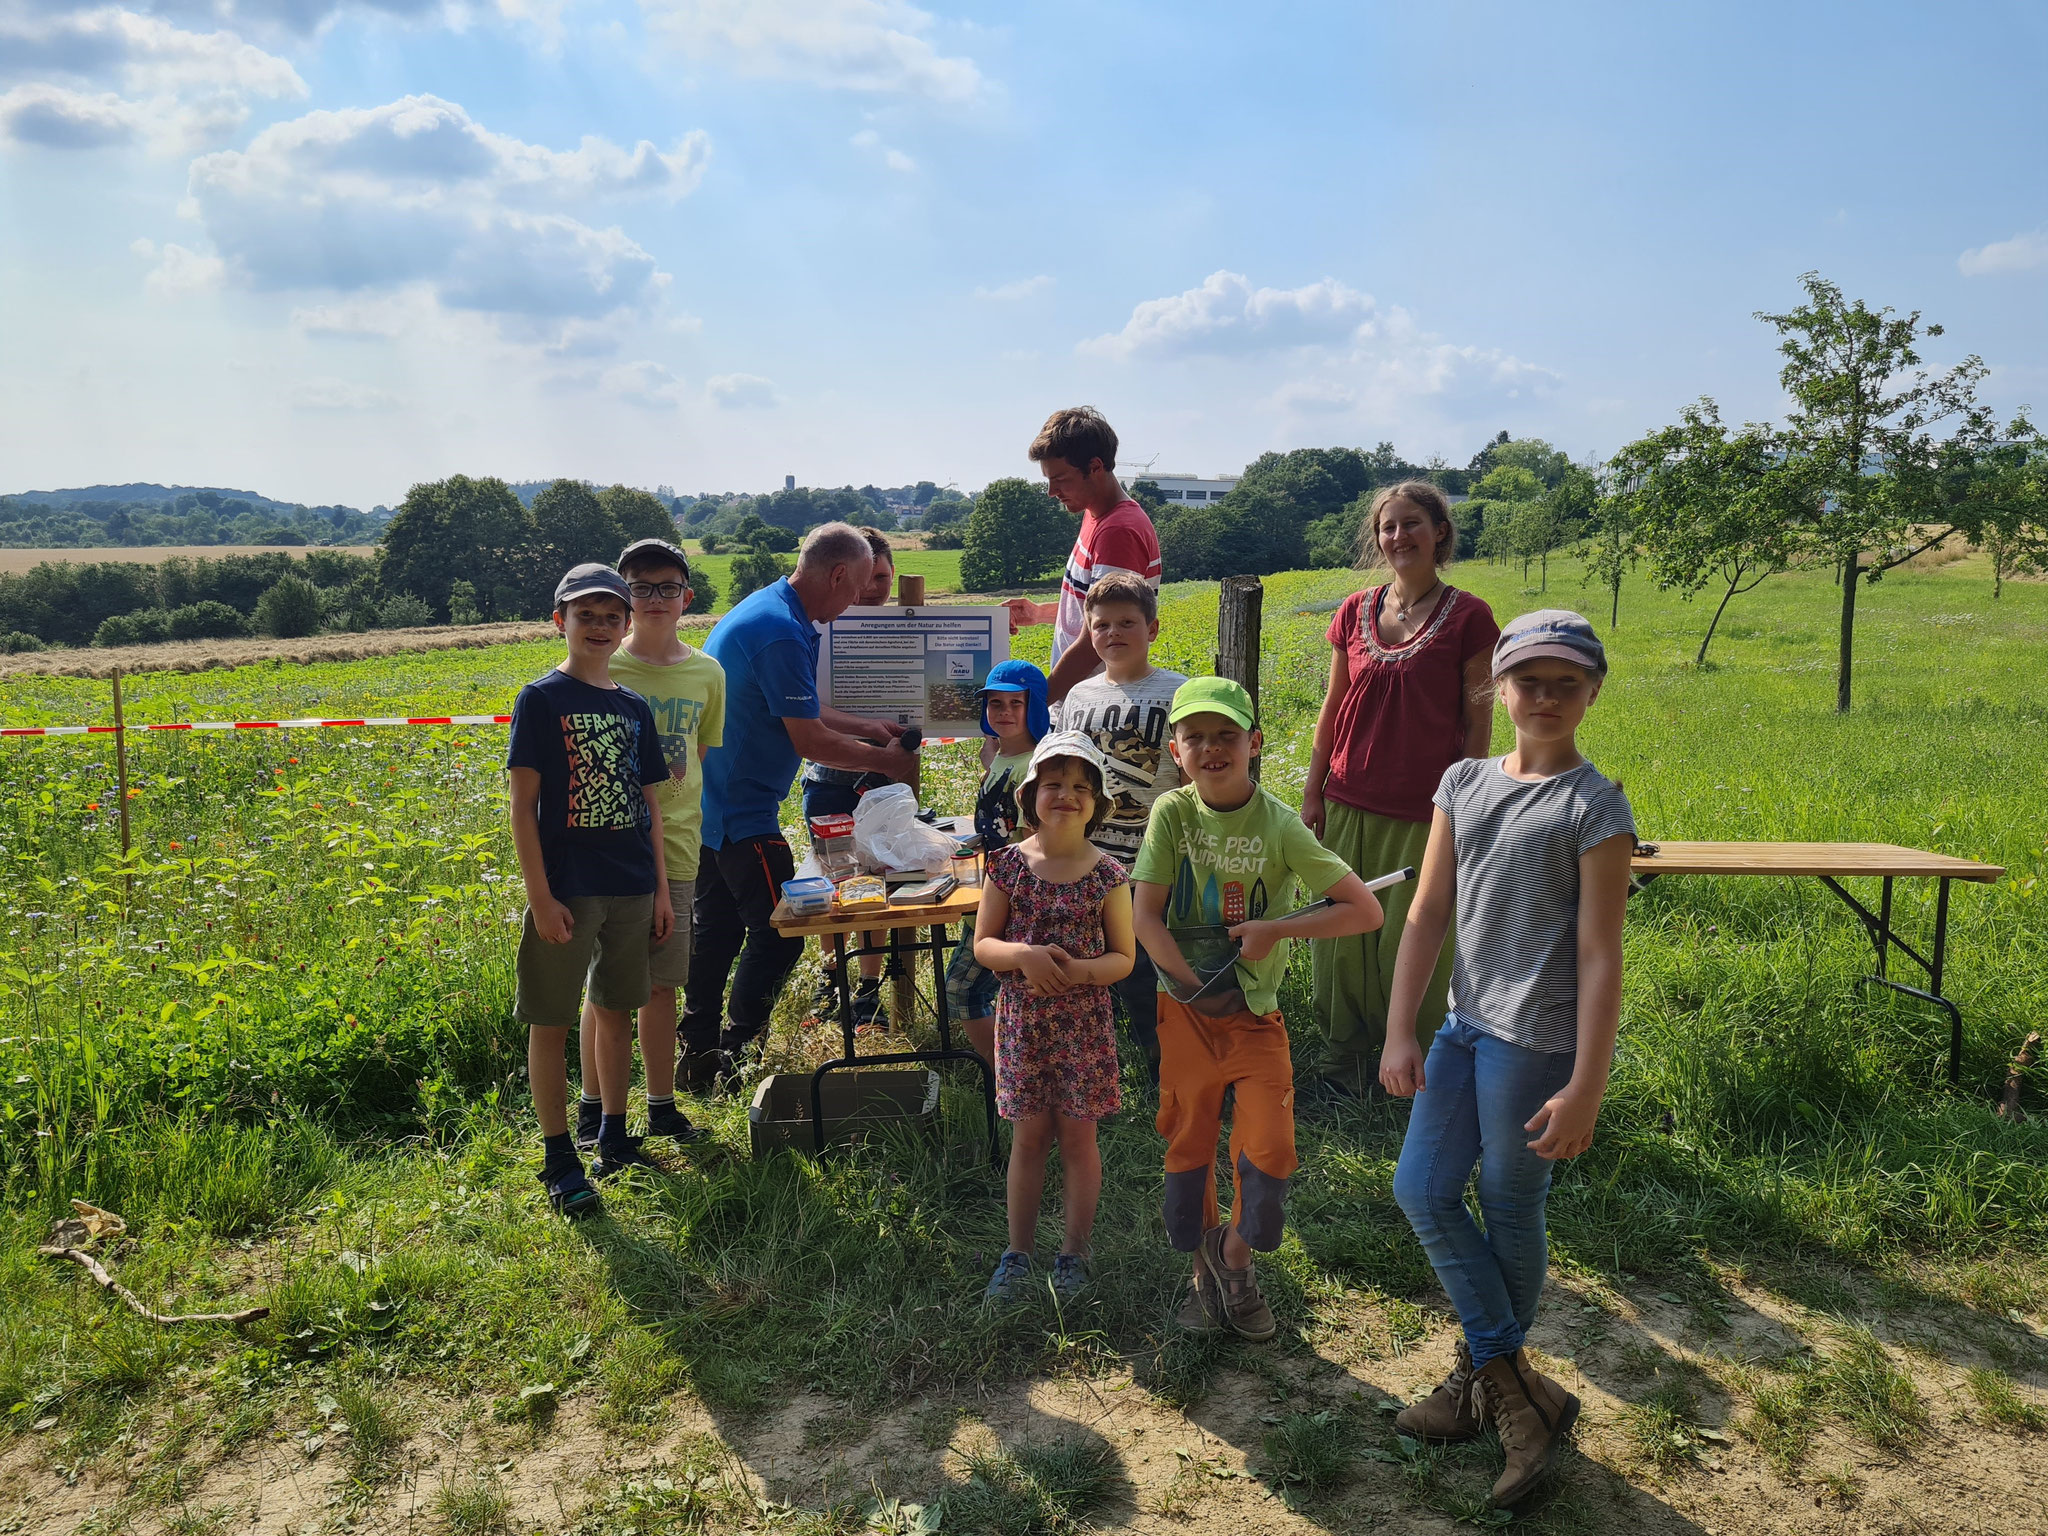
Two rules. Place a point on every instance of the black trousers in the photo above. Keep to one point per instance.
(737, 887)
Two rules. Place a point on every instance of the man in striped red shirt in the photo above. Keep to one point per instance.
(1076, 451)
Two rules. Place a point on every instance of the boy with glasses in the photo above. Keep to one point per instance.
(686, 690)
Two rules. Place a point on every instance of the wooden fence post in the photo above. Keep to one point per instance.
(1238, 609)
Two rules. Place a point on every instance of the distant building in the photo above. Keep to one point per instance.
(789, 482)
(1189, 487)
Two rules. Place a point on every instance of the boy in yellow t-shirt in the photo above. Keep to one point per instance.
(686, 690)
(1222, 851)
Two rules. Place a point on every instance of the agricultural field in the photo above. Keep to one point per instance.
(153, 554)
(1800, 1282)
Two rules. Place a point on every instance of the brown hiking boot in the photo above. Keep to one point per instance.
(1201, 1310)
(1532, 1414)
(1450, 1412)
(1244, 1309)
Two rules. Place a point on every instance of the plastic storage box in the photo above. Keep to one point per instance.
(857, 1103)
(809, 897)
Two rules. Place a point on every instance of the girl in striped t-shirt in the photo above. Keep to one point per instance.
(1531, 851)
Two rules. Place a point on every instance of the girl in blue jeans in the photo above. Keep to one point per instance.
(1531, 852)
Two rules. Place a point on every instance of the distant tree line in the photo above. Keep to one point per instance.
(1289, 510)
(457, 551)
(37, 521)
(479, 534)
(119, 603)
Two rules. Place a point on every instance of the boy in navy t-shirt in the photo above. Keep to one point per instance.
(585, 761)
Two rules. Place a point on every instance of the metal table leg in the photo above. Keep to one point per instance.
(936, 943)
(1883, 938)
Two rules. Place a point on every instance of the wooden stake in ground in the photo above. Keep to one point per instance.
(68, 1239)
(2009, 1100)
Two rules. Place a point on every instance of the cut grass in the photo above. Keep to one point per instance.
(1879, 1402)
(697, 1491)
(1663, 1428)
(1783, 1418)
(1998, 1403)
(375, 1428)
(1308, 1451)
(1044, 1490)
(473, 1505)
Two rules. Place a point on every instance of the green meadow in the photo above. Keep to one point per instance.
(278, 1041)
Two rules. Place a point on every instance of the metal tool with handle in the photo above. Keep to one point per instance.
(1212, 954)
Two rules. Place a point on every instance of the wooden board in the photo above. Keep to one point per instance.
(1807, 859)
(955, 909)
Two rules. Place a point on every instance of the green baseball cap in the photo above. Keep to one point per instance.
(1213, 695)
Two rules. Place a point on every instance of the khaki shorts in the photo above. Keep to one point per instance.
(669, 961)
(609, 938)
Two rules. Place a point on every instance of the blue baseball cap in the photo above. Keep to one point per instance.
(1018, 677)
(1556, 633)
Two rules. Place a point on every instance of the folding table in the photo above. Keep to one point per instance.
(896, 921)
(1831, 863)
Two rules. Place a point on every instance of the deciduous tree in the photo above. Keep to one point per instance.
(1708, 506)
(1015, 535)
(1862, 433)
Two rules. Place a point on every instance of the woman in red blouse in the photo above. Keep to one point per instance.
(1410, 693)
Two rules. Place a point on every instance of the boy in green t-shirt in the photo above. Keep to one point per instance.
(686, 690)
(1223, 851)
(1013, 716)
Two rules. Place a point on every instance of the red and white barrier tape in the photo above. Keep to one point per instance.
(294, 725)
(253, 725)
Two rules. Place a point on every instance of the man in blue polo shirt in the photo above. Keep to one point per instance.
(768, 646)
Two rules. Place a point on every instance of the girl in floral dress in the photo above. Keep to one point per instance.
(1055, 924)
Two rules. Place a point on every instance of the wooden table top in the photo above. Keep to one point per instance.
(956, 908)
(1806, 859)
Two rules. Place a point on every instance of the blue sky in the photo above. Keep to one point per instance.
(324, 249)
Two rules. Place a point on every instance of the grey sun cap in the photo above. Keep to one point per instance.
(1554, 633)
(588, 578)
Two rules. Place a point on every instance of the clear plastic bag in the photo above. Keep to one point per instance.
(888, 835)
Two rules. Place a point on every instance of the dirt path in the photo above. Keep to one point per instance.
(815, 1465)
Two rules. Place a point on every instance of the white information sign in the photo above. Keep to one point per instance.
(915, 666)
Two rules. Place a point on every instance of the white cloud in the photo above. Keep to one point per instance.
(340, 395)
(102, 76)
(416, 192)
(1344, 349)
(644, 383)
(740, 391)
(2018, 254)
(1023, 288)
(1316, 397)
(895, 159)
(1227, 314)
(854, 45)
(178, 271)
(53, 117)
(380, 318)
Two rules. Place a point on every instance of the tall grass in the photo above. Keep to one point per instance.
(296, 1032)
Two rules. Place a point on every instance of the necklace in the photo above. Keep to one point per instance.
(1402, 610)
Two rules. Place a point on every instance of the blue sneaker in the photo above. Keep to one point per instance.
(1012, 1277)
(1069, 1276)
